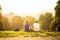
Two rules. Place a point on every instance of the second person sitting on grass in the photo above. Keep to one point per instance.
(36, 26)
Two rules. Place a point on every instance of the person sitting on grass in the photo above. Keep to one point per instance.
(36, 26)
(27, 25)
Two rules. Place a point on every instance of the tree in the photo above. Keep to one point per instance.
(57, 9)
(5, 22)
(1, 24)
(30, 19)
(17, 23)
(45, 21)
(57, 16)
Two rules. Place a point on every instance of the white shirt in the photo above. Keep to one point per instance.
(36, 26)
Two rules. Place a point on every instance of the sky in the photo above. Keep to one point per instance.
(27, 7)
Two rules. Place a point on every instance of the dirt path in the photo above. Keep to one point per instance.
(30, 38)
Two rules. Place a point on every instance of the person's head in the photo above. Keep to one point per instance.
(36, 21)
(26, 21)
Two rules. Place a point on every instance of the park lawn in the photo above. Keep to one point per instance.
(27, 34)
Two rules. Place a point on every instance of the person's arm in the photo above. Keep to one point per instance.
(24, 26)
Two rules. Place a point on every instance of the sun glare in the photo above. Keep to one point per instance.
(27, 7)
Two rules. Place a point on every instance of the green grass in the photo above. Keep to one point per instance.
(8, 33)
(27, 34)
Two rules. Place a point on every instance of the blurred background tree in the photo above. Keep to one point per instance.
(5, 22)
(1, 24)
(57, 17)
(31, 19)
(45, 21)
(17, 23)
